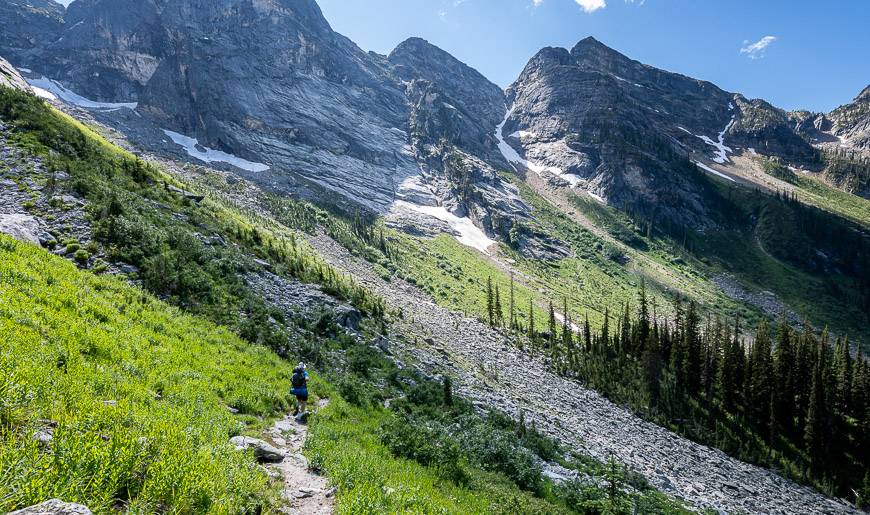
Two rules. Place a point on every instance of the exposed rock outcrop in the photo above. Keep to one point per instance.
(54, 507)
(22, 227)
(10, 78)
(263, 452)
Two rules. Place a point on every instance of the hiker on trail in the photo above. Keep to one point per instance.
(300, 388)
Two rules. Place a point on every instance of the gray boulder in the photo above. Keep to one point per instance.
(263, 452)
(23, 228)
(348, 317)
(54, 507)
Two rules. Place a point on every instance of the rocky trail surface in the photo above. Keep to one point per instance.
(305, 492)
(493, 373)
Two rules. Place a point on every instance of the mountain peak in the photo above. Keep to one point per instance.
(589, 42)
(865, 95)
(591, 53)
(417, 46)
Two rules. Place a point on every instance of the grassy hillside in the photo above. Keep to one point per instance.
(136, 396)
(139, 393)
(136, 392)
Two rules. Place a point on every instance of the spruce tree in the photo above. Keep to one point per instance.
(625, 343)
(490, 306)
(513, 318)
(784, 358)
(568, 336)
(694, 353)
(499, 314)
(843, 375)
(552, 327)
(643, 321)
(816, 415)
(759, 389)
(531, 322)
(587, 334)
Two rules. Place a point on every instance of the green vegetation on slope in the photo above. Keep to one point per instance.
(431, 452)
(817, 193)
(136, 393)
(184, 249)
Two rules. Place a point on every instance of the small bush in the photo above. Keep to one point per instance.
(81, 257)
(426, 444)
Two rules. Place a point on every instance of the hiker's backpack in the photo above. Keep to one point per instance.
(298, 379)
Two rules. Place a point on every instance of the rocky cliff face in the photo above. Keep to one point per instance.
(27, 26)
(449, 100)
(594, 119)
(843, 137)
(10, 78)
(851, 122)
(269, 81)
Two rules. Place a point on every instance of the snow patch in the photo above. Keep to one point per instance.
(41, 93)
(207, 155)
(597, 197)
(714, 172)
(722, 151)
(70, 97)
(561, 318)
(514, 158)
(25, 70)
(752, 151)
(523, 134)
(470, 235)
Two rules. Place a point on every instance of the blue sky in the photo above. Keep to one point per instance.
(816, 56)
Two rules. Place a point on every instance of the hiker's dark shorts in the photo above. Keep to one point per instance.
(301, 394)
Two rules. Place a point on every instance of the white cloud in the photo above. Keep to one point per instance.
(537, 2)
(756, 50)
(591, 5)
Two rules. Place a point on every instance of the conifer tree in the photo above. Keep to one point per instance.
(783, 384)
(643, 317)
(843, 374)
(490, 306)
(513, 318)
(625, 331)
(531, 322)
(814, 430)
(587, 334)
(552, 327)
(499, 314)
(729, 384)
(758, 401)
(694, 353)
(567, 335)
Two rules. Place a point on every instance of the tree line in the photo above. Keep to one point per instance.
(791, 399)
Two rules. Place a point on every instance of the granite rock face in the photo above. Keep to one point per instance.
(851, 122)
(844, 135)
(28, 26)
(11, 78)
(449, 100)
(627, 132)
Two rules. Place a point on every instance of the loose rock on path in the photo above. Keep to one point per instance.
(305, 492)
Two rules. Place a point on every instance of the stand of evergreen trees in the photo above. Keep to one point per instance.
(784, 398)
